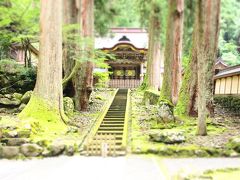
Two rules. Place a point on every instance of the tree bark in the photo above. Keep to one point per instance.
(208, 20)
(187, 103)
(173, 51)
(152, 79)
(84, 78)
(47, 96)
(71, 16)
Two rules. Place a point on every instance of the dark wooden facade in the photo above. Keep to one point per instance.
(128, 66)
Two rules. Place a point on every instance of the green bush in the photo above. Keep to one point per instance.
(101, 79)
(15, 77)
(228, 102)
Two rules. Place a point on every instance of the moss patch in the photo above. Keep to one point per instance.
(220, 174)
(45, 121)
(144, 119)
(151, 97)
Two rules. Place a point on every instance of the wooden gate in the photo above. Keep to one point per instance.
(124, 83)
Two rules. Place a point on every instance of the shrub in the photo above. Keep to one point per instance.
(231, 103)
(15, 77)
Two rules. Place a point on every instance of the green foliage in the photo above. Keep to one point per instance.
(144, 9)
(18, 20)
(127, 13)
(189, 11)
(102, 78)
(105, 15)
(230, 22)
(15, 77)
(229, 53)
(76, 45)
(231, 103)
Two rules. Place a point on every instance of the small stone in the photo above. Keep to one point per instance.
(17, 96)
(9, 96)
(167, 136)
(165, 113)
(21, 107)
(10, 134)
(24, 133)
(68, 105)
(234, 154)
(15, 141)
(8, 102)
(31, 150)
(46, 153)
(234, 144)
(69, 150)
(56, 148)
(9, 152)
(26, 97)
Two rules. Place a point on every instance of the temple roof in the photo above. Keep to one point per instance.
(230, 71)
(138, 37)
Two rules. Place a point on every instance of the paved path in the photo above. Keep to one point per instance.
(183, 166)
(97, 168)
(82, 168)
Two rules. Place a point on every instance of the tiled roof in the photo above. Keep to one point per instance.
(234, 70)
(137, 36)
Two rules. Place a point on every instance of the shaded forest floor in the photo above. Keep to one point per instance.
(149, 135)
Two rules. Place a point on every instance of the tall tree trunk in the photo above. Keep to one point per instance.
(208, 20)
(187, 103)
(173, 51)
(46, 100)
(71, 16)
(152, 78)
(84, 77)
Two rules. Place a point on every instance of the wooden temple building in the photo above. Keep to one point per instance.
(129, 48)
(227, 81)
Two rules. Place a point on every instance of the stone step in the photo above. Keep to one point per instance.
(117, 132)
(113, 122)
(114, 117)
(112, 125)
(111, 128)
(109, 123)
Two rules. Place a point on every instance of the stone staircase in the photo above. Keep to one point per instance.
(108, 139)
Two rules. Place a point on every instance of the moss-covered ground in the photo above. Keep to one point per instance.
(145, 118)
(221, 174)
(45, 126)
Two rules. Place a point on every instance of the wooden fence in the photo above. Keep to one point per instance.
(124, 83)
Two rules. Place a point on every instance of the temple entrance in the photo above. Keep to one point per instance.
(127, 70)
(125, 76)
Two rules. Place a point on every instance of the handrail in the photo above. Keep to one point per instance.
(126, 121)
(96, 125)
